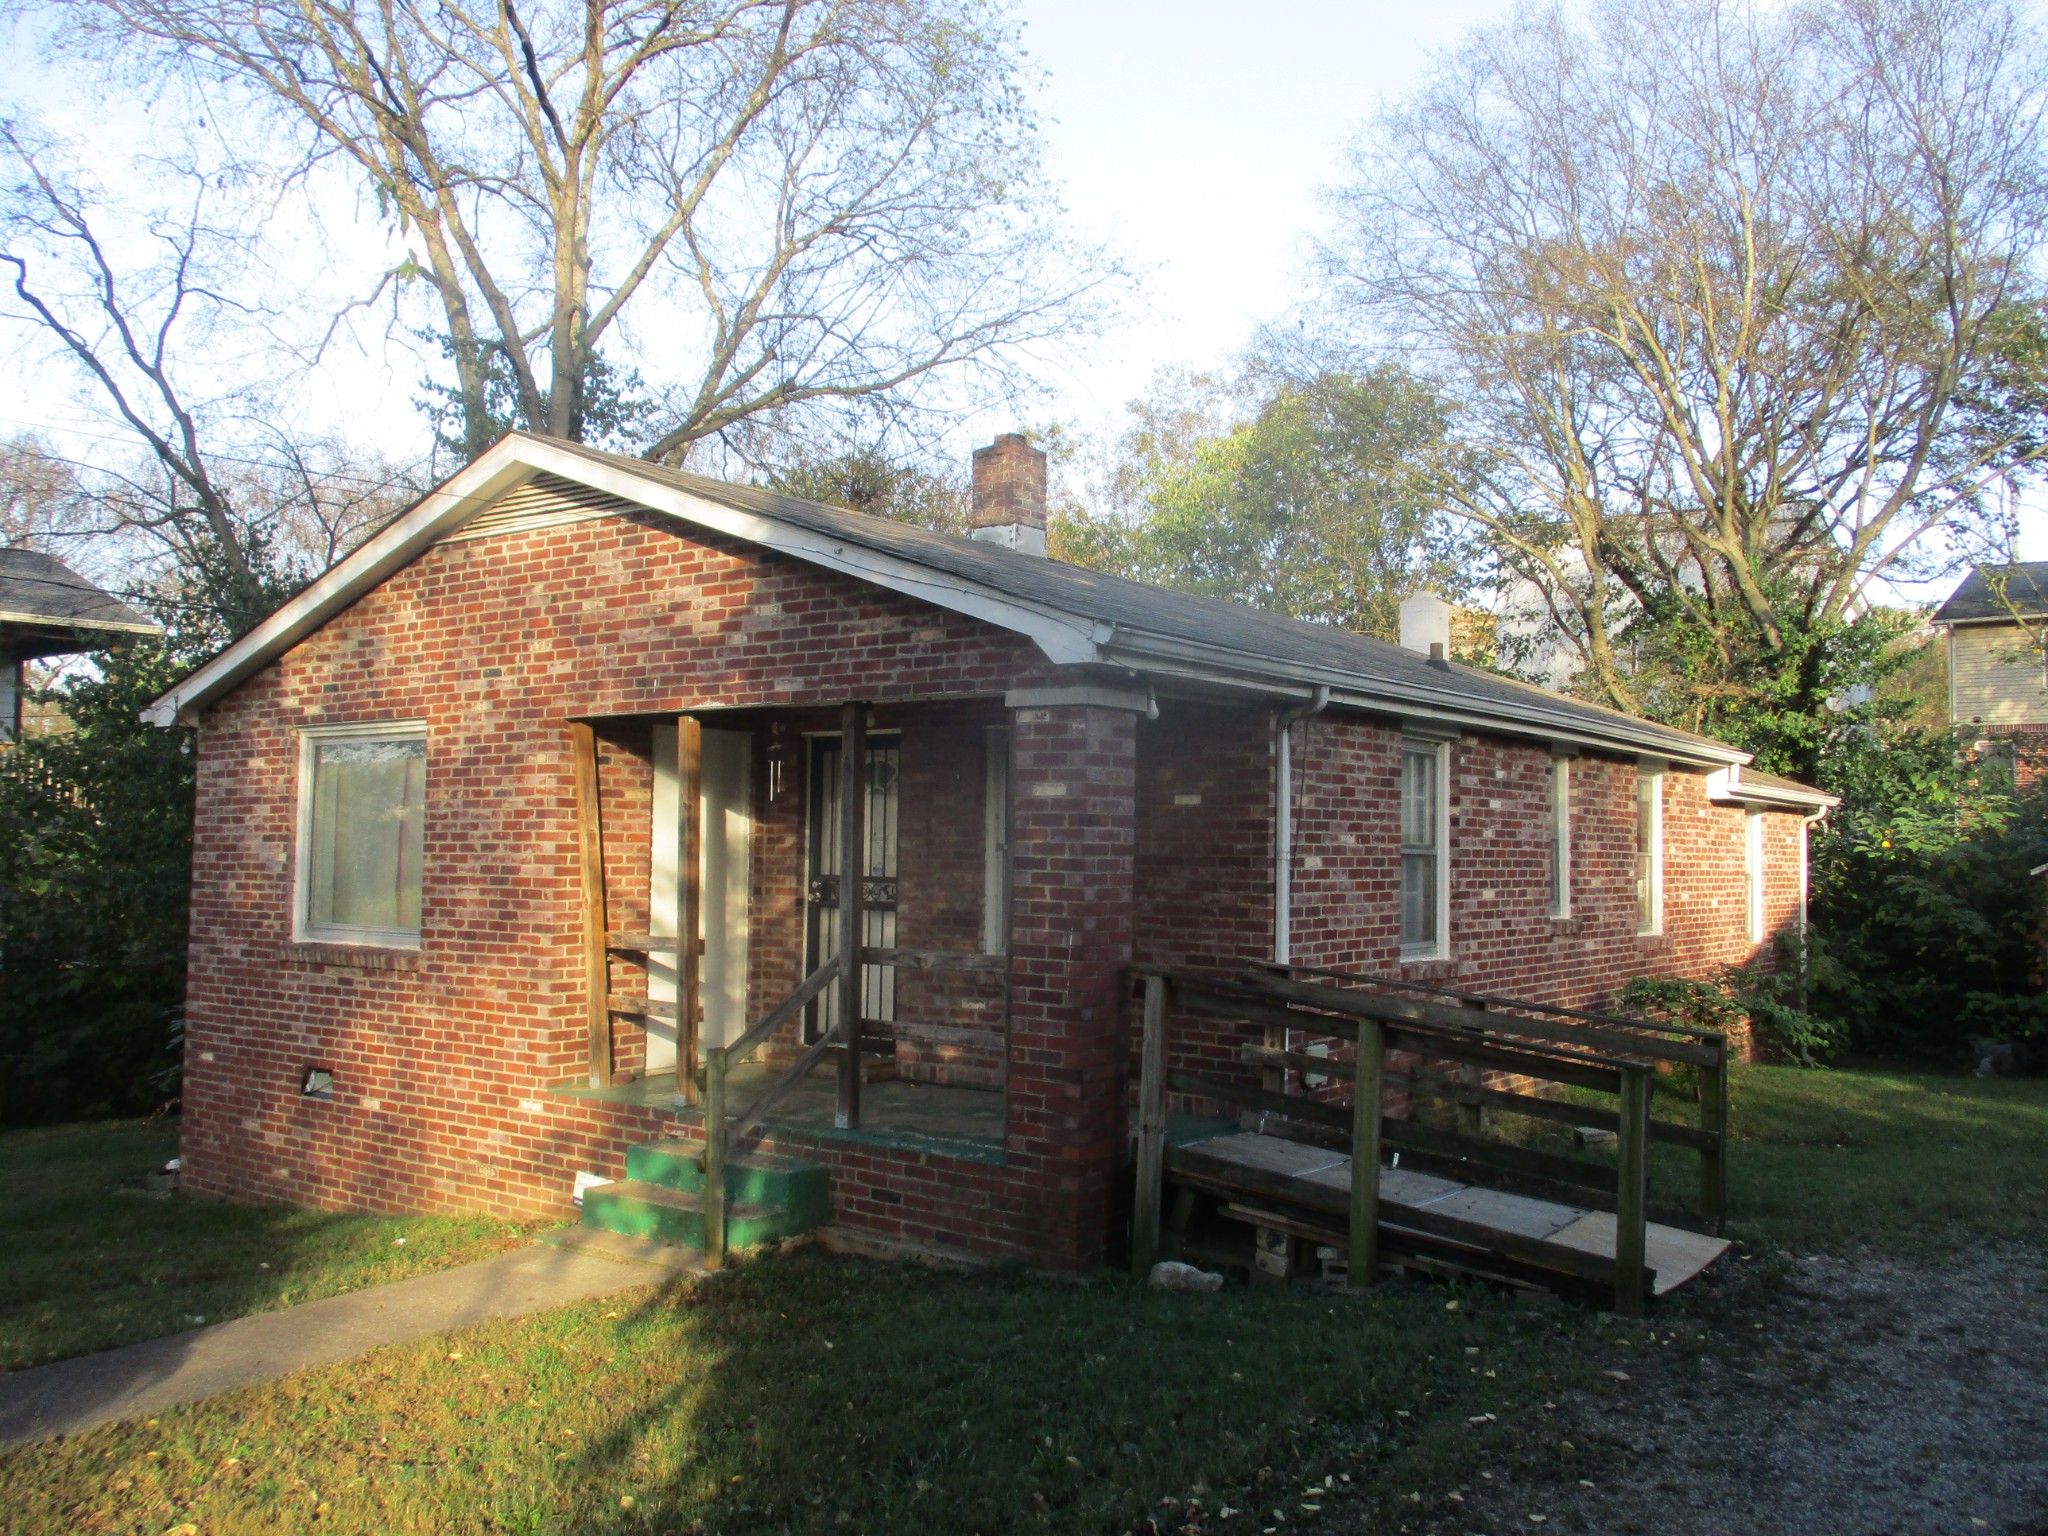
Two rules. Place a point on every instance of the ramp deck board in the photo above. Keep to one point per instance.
(1322, 1179)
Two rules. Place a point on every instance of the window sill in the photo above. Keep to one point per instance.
(360, 957)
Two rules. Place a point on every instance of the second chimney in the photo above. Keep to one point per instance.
(1426, 624)
(1009, 495)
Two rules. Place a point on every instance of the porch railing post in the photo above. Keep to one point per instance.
(1151, 1130)
(1362, 1264)
(590, 871)
(1632, 1192)
(1713, 1098)
(853, 780)
(714, 1156)
(690, 922)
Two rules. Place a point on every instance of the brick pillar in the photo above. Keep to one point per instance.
(1074, 779)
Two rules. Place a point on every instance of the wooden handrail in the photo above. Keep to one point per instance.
(781, 1013)
(1604, 1059)
(1487, 999)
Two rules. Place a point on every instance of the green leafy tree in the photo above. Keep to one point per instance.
(868, 480)
(95, 862)
(1319, 501)
(1927, 923)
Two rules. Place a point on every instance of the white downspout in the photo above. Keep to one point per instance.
(1805, 832)
(1283, 826)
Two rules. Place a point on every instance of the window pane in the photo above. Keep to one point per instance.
(1648, 787)
(1418, 898)
(1418, 799)
(368, 834)
(1560, 830)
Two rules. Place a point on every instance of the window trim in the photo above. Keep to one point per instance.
(311, 738)
(1754, 889)
(1650, 783)
(1438, 948)
(1561, 835)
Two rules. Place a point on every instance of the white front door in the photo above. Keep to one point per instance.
(725, 876)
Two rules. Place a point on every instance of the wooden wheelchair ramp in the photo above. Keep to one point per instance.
(1281, 1051)
(1303, 1190)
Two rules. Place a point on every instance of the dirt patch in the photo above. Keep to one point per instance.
(1878, 1399)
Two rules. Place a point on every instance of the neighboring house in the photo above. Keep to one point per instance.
(48, 609)
(447, 796)
(1998, 675)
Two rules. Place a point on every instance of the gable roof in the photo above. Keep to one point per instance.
(1978, 600)
(1075, 616)
(43, 602)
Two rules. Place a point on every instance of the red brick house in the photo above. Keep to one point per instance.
(494, 726)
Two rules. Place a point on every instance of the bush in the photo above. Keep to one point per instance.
(1739, 994)
(95, 865)
(1927, 922)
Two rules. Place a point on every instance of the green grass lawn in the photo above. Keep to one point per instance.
(804, 1392)
(92, 1260)
(1908, 1164)
(807, 1393)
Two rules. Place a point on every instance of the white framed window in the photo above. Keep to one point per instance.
(362, 833)
(1649, 850)
(1753, 876)
(1425, 850)
(1560, 836)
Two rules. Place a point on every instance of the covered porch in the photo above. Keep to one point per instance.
(731, 825)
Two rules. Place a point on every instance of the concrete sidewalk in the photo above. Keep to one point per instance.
(70, 1396)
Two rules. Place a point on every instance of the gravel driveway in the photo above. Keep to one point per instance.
(1882, 1400)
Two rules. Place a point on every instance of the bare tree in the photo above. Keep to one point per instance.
(805, 201)
(208, 481)
(1717, 288)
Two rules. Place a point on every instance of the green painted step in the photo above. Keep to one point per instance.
(634, 1209)
(791, 1184)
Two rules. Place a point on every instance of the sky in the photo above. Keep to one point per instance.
(1199, 142)
(1193, 136)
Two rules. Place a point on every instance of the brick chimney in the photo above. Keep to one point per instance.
(1009, 495)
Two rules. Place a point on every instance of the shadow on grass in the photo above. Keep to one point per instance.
(93, 1259)
(805, 1393)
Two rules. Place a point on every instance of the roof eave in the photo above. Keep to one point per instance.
(1729, 787)
(1144, 651)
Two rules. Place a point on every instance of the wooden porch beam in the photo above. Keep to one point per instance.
(590, 868)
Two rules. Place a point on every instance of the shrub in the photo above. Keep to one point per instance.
(1927, 921)
(1739, 994)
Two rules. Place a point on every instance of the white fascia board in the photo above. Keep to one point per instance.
(460, 497)
(1727, 786)
(83, 626)
(1064, 638)
(1143, 652)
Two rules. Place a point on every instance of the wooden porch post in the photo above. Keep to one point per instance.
(853, 781)
(590, 860)
(1632, 1172)
(1362, 1265)
(1151, 1130)
(689, 917)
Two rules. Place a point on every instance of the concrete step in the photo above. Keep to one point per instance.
(635, 1209)
(799, 1187)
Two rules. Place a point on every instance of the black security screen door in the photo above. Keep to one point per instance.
(826, 868)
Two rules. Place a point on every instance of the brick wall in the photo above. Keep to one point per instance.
(442, 1058)
(1503, 936)
(1130, 837)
